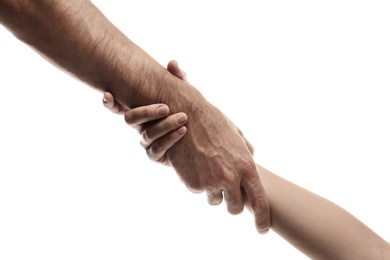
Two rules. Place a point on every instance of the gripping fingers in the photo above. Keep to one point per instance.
(258, 201)
(161, 128)
(174, 69)
(234, 199)
(110, 103)
(140, 115)
(156, 151)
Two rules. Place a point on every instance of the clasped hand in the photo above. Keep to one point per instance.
(238, 185)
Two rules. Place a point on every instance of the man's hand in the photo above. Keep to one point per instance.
(212, 157)
(221, 155)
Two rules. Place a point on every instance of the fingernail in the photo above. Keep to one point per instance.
(181, 130)
(104, 101)
(181, 119)
(162, 110)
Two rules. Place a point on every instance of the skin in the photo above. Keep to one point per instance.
(75, 36)
(140, 119)
(314, 225)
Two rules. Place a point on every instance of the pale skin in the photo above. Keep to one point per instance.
(76, 37)
(314, 225)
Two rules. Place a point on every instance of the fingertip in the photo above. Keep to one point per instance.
(214, 202)
(262, 213)
(236, 210)
(107, 96)
(107, 104)
(214, 198)
(104, 99)
(181, 118)
(162, 110)
(173, 62)
(108, 100)
(263, 231)
(234, 207)
(264, 224)
(182, 130)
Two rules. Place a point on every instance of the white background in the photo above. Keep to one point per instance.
(307, 81)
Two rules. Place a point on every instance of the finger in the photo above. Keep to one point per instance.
(214, 197)
(157, 150)
(258, 201)
(110, 103)
(247, 205)
(108, 100)
(233, 196)
(174, 69)
(161, 128)
(140, 115)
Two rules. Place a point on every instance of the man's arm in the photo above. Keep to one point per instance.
(77, 37)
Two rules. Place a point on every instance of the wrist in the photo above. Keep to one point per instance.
(180, 96)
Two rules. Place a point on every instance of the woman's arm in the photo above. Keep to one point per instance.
(317, 227)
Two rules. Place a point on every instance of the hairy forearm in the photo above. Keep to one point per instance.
(317, 227)
(77, 37)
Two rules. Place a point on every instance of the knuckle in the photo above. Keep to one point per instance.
(143, 144)
(230, 180)
(156, 149)
(246, 166)
(192, 183)
(146, 135)
(129, 118)
(151, 155)
(144, 114)
(259, 205)
(195, 187)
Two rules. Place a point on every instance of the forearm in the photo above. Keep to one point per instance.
(317, 227)
(77, 37)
